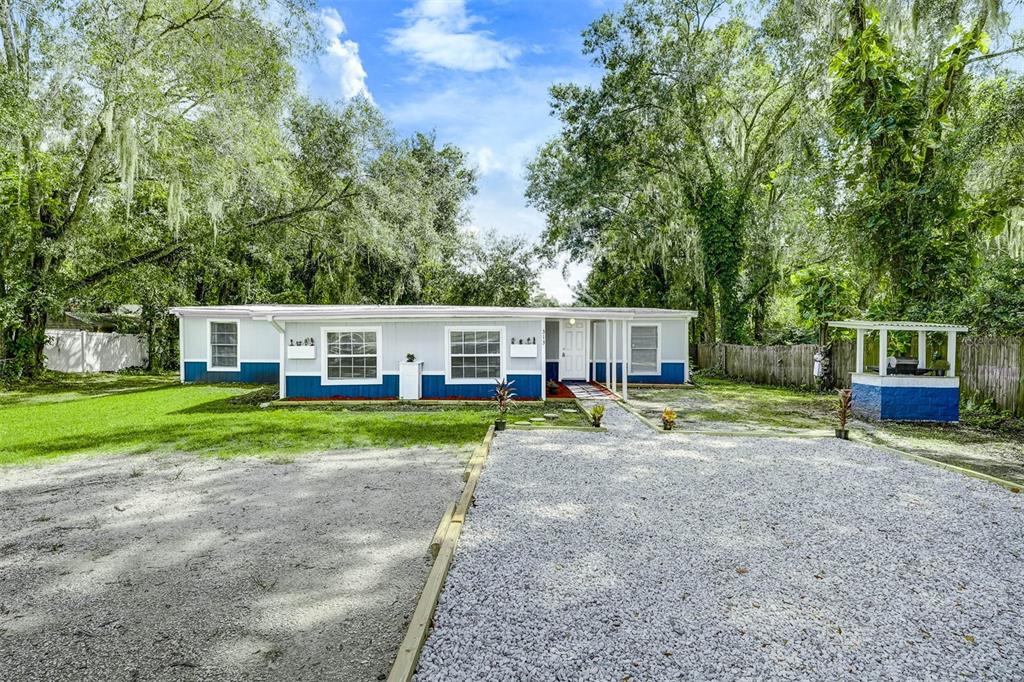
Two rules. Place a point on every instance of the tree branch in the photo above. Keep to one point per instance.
(159, 254)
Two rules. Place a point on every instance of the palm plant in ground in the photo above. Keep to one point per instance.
(504, 400)
(845, 406)
(596, 414)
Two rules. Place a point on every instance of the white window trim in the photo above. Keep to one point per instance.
(209, 346)
(448, 354)
(360, 382)
(661, 344)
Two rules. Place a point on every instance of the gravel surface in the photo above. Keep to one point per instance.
(179, 568)
(633, 556)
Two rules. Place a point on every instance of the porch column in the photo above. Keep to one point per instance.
(607, 352)
(282, 368)
(181, 349)
(883, 352)
(615, 354)
(859, 368)
(686, 349)
(951, 353)
(922, 349)
(625, 360)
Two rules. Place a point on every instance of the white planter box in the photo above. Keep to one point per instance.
(301, 352)
(409, 380)
(523, 350)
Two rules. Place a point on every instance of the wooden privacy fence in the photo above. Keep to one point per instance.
(990, 368)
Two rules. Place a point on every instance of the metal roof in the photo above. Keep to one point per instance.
(898, 326)
(316, 312)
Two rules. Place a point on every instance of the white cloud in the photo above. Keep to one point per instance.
(440, 32)
(342, 58)
(554, 283)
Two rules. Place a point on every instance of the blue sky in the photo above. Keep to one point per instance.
(476, 73)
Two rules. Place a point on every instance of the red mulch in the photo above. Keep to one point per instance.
(562, 391)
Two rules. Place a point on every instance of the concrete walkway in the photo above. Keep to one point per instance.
(634, 555)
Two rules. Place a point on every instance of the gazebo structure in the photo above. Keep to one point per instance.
(911, 388)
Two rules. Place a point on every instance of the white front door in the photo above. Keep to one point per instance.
(573, 358)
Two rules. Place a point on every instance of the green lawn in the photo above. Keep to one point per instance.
(143, 414)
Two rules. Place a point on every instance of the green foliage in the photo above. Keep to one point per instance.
(159, 153)
(823, 293)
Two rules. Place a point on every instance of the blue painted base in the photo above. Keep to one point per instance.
(551, 370)
(250, 373)
(907, 403)
(311, 387)
(433, 387)
(671, 373)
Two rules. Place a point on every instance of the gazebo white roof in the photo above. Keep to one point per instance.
(897, 326)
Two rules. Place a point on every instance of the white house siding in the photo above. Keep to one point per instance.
(258, 351)
(424, 338)
(673, 345)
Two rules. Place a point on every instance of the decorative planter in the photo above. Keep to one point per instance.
(523, 350)
(843, 433)
(499, 424)
(301, 352)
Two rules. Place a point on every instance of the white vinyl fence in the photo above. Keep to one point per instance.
(74, 350)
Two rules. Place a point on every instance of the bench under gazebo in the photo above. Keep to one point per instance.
(909, 388)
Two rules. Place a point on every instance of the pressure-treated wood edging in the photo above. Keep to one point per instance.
(419, 625)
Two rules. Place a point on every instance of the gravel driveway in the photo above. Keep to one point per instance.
(179, 568)
(638, 556)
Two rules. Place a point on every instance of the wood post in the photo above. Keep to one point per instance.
(883, 352)
(607, 353)
(859, 367)
(951, 353)
(625, 359)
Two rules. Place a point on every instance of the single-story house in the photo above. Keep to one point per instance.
(429, 352)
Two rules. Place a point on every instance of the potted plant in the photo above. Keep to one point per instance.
(845, 405)
(668, 418)
(596, 414)
(552, 385)
(940, 367)
(410, 357)
(504, 400)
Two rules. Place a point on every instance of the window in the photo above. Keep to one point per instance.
(352, 354)
(643, 349)
(474, 354)
(223, 345)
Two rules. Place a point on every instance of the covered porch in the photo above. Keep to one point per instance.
(609, 348)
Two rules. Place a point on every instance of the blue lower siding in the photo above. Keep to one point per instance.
(907, 403)
(671, 373)
(433, 387)
(551, 370)
(250, 373)
(312, 387)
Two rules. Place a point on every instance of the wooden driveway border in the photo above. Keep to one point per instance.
(445, 539)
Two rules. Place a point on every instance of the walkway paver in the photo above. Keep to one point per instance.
(633, 555)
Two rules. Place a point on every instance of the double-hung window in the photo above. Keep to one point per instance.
(644, 355)
(352, 355)
(474, 355)
(224, 345)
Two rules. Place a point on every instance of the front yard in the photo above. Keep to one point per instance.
(991, 444)
(145, 414)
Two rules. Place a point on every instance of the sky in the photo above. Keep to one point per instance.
(477, 73)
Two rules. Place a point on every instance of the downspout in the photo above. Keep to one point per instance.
(282, 384)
